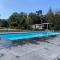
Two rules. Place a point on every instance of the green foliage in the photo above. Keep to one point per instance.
(50, 18)
(54, 19)
(39, 12)
(23, 20)
(57, 21)
(12, 21)
(16, 20)
(3, 23)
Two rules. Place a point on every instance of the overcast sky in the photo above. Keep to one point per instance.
(7, 7)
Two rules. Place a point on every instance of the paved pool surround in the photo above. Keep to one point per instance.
(49, 50)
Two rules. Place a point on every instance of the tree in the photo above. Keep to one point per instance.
(50, 18)
(57, 21)
(12, 21)
(17, 19)
(22, 19)
(3, 23)
(35, 18)
(39, 12)
(32, 18)
(40, 16)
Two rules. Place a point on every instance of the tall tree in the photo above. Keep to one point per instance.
(50, 17)
(57, 21)
(35, 18)
(22, 19)
(40, 16)
(13, 20)
(17, 19)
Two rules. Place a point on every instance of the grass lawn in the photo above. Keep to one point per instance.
(17, 30)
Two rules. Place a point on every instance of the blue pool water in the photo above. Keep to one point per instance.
(16, 36)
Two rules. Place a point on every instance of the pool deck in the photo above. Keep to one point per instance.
(22, 32)
(48, 50)
(11, 32)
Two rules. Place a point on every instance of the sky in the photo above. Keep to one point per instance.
(7, 7)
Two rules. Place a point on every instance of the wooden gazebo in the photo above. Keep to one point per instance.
(47, 25)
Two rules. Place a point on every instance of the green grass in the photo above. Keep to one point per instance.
(17, 30)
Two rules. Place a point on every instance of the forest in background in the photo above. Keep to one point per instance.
(22, 20)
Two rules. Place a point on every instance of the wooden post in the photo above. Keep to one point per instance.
(47, 26)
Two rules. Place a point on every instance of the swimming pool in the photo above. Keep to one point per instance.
(26, 35)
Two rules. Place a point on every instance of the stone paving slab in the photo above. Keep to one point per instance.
(49, 50)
